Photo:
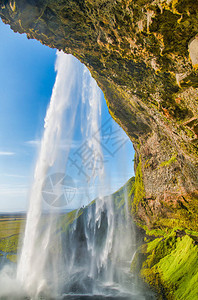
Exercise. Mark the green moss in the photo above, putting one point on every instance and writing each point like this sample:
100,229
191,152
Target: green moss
9,244
191,232
169,162
176,31
147,164
120,197
179,270
172,267
134,262
155,232
137,260
178,215
139,192
12,257
68,219
167,224
123,194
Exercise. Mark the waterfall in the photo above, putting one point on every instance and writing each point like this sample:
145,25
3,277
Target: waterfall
33,268
88,251
36,244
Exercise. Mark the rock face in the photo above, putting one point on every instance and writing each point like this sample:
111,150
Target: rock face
138,53
143,54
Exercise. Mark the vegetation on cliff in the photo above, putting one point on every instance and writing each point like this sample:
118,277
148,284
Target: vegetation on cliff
172,266
168,259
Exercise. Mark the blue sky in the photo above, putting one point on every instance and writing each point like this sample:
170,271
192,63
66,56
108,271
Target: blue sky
26,80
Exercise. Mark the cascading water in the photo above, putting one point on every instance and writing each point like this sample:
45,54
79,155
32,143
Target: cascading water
36,244
85,253
31,271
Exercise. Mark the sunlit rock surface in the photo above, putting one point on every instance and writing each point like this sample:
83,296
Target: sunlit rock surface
193,51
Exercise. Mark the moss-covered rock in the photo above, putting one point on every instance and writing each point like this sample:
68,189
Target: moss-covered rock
172,267
138,188
167,259
12,257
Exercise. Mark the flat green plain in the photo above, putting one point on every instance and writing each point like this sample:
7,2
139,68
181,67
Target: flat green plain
11,227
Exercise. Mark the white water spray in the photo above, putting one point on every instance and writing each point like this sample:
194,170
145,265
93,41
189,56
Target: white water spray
31,271
32,263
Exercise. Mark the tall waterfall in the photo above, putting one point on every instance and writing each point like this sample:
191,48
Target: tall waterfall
88,251
37,240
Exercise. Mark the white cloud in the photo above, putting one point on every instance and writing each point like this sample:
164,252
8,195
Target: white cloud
6,153
13,190
33,142
13,175
65,144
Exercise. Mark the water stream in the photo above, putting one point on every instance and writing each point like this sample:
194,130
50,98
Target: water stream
91,256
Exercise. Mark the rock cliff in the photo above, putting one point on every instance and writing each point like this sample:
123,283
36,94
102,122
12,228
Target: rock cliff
144,56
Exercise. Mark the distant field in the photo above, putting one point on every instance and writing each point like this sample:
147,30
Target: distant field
10,228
